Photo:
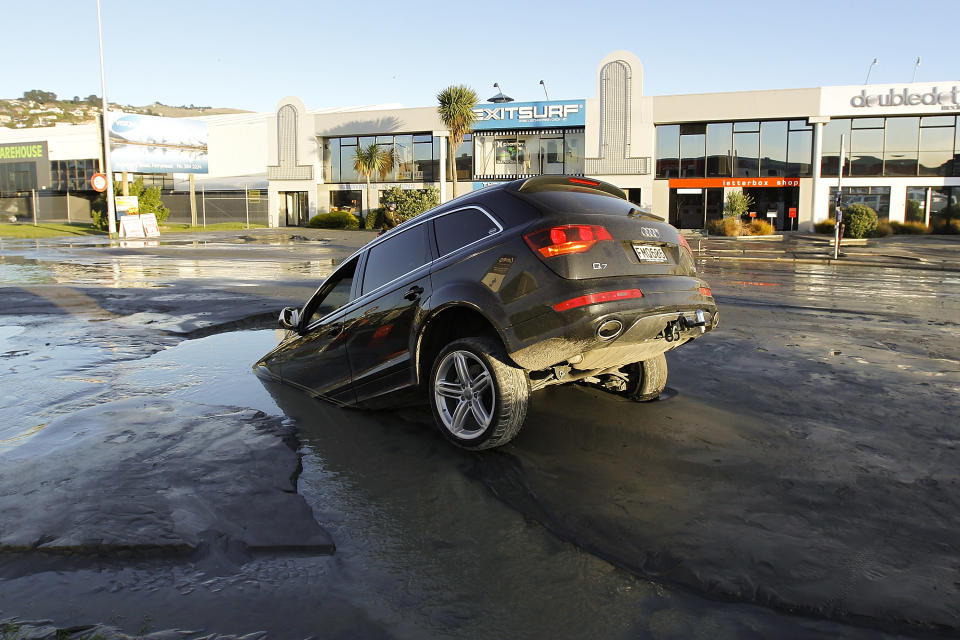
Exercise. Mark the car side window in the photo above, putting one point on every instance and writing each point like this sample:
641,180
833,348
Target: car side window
334,294
396,256
460,228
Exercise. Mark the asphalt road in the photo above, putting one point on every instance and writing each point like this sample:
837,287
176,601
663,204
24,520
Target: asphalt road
798,480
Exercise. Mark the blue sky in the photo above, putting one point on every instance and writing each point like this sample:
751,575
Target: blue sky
249,55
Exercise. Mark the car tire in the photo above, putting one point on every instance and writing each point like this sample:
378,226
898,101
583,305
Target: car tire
646,380
489,410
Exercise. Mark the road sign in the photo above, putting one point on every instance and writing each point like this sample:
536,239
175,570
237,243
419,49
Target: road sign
771,214
793,212
99,182
753,214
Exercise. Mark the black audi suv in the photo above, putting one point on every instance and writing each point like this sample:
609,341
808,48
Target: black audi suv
479,302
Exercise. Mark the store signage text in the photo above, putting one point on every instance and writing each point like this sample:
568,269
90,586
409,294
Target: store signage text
676,183
949,100
22,151
529,114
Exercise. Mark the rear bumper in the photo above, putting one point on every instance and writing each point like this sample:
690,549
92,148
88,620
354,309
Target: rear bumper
612,334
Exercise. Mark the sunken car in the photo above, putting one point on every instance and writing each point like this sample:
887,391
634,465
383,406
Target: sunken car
478,303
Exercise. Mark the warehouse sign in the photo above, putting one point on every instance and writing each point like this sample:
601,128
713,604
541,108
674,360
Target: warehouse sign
19,152
517,115
151,144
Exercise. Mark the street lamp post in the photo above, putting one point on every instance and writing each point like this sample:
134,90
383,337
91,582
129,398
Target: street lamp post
111,209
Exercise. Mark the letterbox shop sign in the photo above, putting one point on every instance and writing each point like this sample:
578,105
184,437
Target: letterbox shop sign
763,183
517,115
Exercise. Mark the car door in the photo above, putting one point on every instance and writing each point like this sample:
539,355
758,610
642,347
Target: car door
317,359
395,284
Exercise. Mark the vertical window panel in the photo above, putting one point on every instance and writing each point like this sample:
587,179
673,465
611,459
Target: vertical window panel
773,148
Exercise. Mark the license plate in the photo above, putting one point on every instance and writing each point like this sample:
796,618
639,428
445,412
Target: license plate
646,253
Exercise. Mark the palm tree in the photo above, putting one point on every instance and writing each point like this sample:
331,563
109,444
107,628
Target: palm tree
456,111
371,160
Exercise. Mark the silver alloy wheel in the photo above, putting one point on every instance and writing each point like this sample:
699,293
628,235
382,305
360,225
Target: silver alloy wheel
465,394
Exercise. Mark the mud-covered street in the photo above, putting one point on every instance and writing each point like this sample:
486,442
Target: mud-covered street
798,479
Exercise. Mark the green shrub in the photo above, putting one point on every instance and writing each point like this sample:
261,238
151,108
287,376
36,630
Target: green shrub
825,226
910,228
884,228
860,220
737,204
374,219
725,227
334,220
760,228
410,202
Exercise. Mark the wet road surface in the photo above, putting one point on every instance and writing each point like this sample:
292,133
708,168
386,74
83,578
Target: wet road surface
801,482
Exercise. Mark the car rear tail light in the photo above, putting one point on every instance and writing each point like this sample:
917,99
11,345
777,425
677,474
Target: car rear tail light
571,238
683,243
589,183
594,298
705,291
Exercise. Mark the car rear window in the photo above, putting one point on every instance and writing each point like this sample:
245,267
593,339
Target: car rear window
460,228
575,200
395,257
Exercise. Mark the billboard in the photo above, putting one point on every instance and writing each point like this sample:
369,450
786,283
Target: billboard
151,144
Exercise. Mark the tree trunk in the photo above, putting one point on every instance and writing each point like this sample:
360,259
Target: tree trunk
453,166
369,203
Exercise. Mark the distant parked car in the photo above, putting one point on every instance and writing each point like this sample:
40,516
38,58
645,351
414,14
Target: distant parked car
479,302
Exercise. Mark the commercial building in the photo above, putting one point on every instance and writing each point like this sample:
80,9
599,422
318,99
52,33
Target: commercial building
677,155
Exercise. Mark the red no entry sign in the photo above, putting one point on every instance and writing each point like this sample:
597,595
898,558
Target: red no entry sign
99,182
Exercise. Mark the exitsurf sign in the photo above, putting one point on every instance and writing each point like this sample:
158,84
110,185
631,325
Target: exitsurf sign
522,115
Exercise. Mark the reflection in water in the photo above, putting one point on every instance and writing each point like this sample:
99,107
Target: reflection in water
151,271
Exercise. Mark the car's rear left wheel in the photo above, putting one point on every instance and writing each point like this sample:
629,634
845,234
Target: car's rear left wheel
479,398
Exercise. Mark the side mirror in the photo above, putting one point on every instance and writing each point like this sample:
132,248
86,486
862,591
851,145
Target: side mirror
290,318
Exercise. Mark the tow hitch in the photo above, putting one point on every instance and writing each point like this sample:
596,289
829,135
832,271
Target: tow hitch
675,328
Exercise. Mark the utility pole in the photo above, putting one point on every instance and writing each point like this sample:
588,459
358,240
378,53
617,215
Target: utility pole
111,208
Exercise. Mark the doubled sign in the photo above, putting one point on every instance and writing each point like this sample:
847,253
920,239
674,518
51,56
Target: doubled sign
917,97
519,115
151,144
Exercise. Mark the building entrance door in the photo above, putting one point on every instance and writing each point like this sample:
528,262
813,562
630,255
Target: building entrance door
294,208
694,208
773,205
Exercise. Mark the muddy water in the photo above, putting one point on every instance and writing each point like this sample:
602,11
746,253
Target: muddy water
423,548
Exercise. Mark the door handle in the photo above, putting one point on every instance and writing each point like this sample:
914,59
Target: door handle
334,330
413,293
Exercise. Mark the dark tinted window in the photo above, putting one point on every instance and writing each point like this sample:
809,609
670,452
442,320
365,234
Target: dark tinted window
460,228
334,294
396,256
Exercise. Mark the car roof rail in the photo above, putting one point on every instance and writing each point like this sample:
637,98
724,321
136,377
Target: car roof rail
565,183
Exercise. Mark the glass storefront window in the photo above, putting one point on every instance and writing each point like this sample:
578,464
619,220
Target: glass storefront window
551,154
773,148
668,151
464,158
692,151
832,133
915,210
800,153
719,149
573,148
866,152
877,198
746,153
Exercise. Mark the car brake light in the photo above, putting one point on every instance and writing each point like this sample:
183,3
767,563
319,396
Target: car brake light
571,238
594,298
683,243
590,183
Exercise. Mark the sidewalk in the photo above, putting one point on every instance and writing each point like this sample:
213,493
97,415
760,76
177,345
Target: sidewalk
937,253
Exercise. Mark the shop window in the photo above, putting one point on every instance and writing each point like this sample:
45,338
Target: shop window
800,153
573,146
915,210
719,149
692,152
773,148
668,151
746,153
877,198
866,150
833,132
901,139
936,146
